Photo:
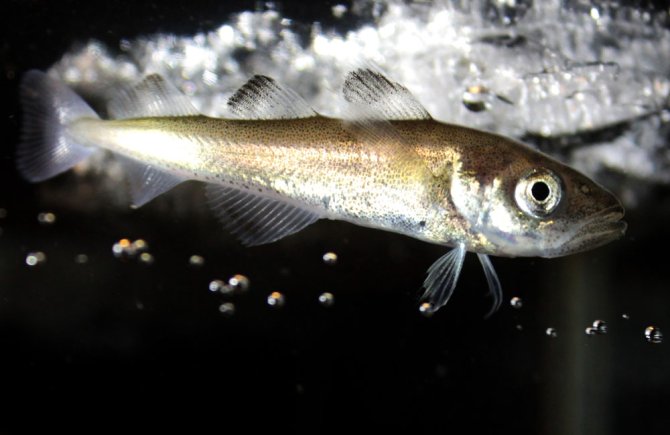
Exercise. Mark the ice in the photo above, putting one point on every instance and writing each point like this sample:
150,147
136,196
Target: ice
550,72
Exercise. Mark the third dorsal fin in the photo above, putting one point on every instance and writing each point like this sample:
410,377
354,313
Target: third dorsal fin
381,97
153,96
262,98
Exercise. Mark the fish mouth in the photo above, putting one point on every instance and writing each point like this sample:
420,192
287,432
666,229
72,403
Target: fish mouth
601,228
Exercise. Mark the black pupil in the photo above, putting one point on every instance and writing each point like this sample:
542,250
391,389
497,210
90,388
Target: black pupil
540,191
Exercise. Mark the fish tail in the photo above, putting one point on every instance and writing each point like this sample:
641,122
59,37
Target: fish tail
47,148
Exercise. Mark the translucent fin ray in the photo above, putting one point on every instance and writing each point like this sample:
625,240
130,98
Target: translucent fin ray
255,218
495,289
46,148
152,97
145,181
262,98
384,98
442,278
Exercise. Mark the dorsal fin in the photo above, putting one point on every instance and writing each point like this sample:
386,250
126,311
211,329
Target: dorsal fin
153,96
262,98
256,218
384,98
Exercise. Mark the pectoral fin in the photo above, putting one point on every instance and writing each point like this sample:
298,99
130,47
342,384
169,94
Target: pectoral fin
442,278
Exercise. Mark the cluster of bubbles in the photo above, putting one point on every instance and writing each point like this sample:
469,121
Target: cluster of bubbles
554,69
597,327
125,249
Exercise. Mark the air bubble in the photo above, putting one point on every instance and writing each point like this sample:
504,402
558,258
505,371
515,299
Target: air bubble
46,218
217,285
330,258
227,308
326,299
81,259
426,308
238,283
590,330
625,316
196,260
146,258
276,299
516,302
653,335
551,332
600,326
35,258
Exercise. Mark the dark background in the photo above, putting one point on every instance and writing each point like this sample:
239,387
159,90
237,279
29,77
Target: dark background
115,343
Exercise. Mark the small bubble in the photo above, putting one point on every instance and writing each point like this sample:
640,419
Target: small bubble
139,305
216,285
140,245
196,260
227,308
276,299
339,11
590,330
121,248
595,14
625,316
551,332
46,218
600,326
81,259
426,308
146,258
516,302
653,334
330,258
125,45
326,299
3,213
238,283
519,327
35,258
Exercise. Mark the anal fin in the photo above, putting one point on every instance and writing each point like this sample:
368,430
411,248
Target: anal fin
255,218
146,182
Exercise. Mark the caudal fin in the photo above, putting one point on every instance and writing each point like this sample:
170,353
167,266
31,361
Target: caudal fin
46,147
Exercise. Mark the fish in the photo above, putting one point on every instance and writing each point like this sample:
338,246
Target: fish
275,166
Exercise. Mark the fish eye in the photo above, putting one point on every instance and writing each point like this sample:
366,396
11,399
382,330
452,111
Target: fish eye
538,193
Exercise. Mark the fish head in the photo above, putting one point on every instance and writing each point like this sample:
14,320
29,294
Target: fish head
528,204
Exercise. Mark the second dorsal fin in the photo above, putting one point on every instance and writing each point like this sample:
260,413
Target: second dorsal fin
262,98
381,97
153,96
